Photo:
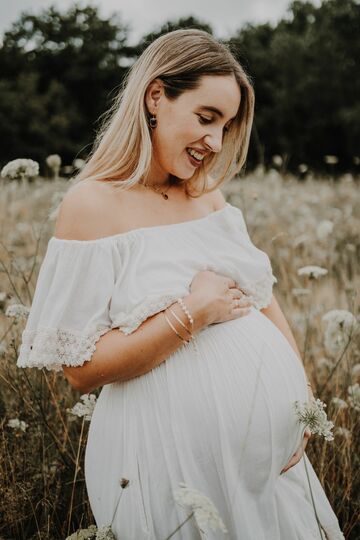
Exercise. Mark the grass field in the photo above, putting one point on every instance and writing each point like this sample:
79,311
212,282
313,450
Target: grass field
313,222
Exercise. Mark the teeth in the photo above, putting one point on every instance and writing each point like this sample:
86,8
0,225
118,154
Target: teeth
195,154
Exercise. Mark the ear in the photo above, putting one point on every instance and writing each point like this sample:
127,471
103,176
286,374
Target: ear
153,95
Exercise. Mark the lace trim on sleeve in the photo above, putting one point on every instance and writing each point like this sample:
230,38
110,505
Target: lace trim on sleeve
52,347
129,322
260,291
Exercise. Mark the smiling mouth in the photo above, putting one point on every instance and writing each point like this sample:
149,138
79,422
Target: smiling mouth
193,159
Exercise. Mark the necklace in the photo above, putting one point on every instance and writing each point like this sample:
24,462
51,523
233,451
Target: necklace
159,190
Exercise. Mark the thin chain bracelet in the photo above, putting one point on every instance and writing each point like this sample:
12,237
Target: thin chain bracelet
180,321
174,329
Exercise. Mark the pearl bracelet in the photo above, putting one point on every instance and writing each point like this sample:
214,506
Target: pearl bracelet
191,320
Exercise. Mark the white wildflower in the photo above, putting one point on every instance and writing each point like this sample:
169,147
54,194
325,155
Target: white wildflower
20,168
53,161
277,160
105,533
324,229
343,432
205,512
355,372
354,396
331,160
78,163
86,408
339,403
84,534
340,324
17,311
15,423
313,416
324,363
302,168
312,271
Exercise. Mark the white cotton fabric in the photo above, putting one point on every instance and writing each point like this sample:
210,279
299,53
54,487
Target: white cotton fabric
218,417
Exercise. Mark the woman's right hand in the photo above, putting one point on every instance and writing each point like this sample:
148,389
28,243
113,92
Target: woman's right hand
218,297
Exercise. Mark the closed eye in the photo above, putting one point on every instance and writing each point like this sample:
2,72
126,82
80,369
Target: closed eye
204,120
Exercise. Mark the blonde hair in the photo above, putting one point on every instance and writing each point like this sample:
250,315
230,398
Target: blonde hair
122,150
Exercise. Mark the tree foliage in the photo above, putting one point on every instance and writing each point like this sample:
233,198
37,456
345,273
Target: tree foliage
59,72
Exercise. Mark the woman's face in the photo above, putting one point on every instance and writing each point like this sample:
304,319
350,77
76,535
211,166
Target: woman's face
187,123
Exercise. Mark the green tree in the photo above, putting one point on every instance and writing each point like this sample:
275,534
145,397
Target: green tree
59,69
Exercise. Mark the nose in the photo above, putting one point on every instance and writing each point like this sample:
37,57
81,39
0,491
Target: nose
214,141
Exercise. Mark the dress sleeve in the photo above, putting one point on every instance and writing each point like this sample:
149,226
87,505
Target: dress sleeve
257,277
70,307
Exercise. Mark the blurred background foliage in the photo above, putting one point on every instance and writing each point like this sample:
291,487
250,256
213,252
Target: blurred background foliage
60,71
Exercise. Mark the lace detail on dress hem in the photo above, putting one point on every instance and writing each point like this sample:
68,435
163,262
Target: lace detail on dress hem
52,347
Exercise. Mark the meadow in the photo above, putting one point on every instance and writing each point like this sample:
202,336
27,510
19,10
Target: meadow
310,230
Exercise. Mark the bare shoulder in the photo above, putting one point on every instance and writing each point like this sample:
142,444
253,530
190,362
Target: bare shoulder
82,212
217,198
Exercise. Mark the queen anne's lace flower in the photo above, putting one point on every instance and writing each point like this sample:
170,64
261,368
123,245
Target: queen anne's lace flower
356,371
84,534
343,432
312,271
205,511
105,533
53,161
354,396
339,403
78,163
312,415
340,324
86,408
15,423
17,311
20,168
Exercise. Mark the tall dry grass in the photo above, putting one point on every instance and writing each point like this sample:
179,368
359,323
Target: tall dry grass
42,487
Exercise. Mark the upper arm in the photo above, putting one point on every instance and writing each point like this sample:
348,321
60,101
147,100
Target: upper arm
80,213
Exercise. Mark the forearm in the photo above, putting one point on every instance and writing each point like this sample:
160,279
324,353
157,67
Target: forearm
119,357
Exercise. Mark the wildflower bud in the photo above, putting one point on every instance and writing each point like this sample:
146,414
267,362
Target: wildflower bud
124,482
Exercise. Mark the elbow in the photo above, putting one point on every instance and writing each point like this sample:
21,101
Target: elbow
76,379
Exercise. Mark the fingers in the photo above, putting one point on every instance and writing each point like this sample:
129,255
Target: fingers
299,453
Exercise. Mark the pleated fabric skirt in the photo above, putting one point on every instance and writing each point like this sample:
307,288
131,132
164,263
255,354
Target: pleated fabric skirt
220,421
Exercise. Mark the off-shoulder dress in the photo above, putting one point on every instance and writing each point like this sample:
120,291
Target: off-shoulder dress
218,417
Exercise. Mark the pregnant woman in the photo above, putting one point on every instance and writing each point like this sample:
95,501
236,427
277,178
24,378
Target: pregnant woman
152,289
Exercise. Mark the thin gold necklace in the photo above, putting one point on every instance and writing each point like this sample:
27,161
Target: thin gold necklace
159,190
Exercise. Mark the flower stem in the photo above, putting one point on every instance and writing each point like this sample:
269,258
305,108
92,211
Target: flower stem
312,498
181,524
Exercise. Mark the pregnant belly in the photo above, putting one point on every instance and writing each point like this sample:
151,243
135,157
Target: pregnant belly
228,409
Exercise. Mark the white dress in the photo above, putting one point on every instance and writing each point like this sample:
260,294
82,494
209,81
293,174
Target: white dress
219,418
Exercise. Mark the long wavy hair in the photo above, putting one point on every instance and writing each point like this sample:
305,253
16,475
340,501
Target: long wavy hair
122,149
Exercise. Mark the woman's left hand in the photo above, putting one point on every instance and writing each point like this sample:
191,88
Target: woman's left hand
307,434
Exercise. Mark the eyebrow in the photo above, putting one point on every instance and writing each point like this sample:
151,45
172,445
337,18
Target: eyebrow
215,110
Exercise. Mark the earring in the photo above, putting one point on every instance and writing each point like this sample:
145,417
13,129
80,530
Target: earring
153,122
